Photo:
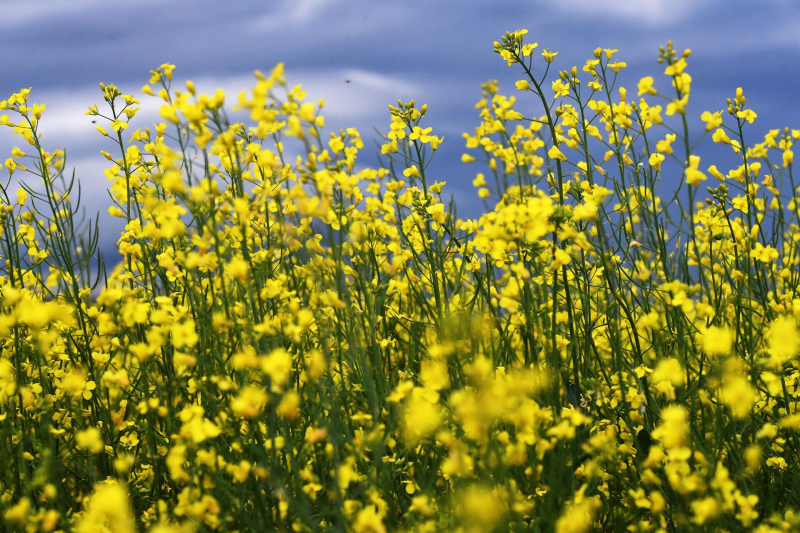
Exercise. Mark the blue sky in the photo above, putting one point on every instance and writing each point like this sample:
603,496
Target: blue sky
437,52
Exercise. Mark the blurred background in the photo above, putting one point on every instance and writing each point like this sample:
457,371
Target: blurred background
362,55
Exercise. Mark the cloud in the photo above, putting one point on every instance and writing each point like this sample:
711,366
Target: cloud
650,12
21,12
291,13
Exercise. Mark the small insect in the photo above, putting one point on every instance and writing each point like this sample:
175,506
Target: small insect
94,122
347,81
644,441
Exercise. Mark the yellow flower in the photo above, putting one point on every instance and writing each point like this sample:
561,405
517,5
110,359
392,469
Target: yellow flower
167,68
118,125
369,520
527,49
705,510
560,88
480,507
693,175
419,133
549,56
250,402
18,513
277,365
617,66
675,68
712,120
674,427
677,106
777,462
421,415
577,517
716,173
184,334
738,395
411,171
655,160
767,431
390,147
783,340
720,136
108,509
195,426
645,86
669,370
168,112
555,153
665,146
717,340
8,385
289,407
747,114
89,440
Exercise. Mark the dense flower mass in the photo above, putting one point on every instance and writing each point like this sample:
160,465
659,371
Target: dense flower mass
296,342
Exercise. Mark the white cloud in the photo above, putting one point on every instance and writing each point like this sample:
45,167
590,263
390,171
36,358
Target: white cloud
292,12
17,12
304,23
650,12
20,12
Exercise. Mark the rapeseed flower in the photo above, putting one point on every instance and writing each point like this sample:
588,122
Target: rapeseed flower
294,340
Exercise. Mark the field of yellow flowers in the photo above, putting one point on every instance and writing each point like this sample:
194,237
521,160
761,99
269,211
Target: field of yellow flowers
294,342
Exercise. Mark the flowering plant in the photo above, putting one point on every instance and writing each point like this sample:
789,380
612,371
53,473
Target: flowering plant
293,341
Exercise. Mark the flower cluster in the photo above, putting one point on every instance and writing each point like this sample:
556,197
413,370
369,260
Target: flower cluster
294,341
